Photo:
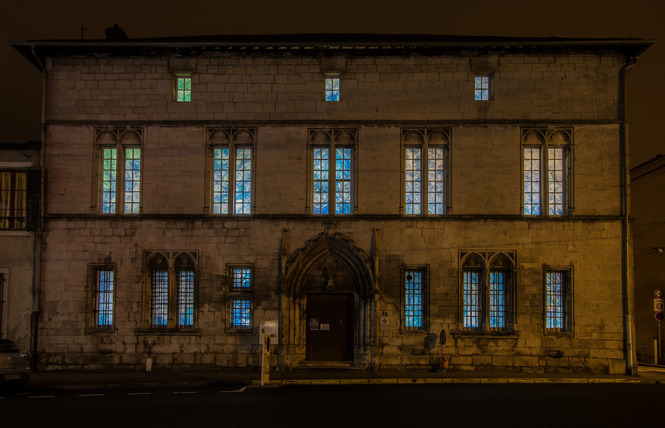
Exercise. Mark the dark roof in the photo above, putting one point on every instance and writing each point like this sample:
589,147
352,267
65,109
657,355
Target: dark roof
313,44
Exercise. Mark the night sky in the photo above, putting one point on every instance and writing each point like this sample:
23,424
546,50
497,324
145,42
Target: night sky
20,82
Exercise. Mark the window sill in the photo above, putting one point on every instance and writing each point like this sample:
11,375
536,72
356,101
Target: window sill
558,333
168,331
511,334
233,330
100,330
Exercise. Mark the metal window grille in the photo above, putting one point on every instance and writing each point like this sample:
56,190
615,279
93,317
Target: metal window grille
320,181
132,180
241,279
471,300
412,181
186,298
343,181
241,313
160,298
104,298
243,181
482,86
109,179
435,180
555,301
332,88
220,192
13,190
555,177
531,181
413,308
497,306
183,88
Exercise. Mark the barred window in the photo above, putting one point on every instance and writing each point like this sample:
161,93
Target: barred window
558,300
119,171
332,171
13,190
415,298
172,289
231,170
425,171
101,300
240,293
486,291
547,171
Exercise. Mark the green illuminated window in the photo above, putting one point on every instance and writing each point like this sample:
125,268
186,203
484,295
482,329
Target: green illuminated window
183,84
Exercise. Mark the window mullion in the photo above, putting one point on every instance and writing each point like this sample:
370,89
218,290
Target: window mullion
232,180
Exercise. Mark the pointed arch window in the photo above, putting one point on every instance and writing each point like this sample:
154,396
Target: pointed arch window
172,290
486,302
547,171
332,171
231,171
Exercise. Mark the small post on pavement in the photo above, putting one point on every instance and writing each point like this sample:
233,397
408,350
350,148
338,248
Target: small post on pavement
265,360
658,308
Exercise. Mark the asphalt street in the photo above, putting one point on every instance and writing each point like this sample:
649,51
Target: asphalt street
457,405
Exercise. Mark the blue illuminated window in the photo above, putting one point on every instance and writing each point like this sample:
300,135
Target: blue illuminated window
471,300
425,171
323,171
231,170
241,279
186,298
160,298
127,180
557,301
240,297
173,289
482,88
497,300
241,313
332,88
414,298
105,282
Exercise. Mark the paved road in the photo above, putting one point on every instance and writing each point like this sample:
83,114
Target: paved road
633,405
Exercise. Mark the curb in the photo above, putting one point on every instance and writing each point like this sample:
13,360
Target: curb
469,380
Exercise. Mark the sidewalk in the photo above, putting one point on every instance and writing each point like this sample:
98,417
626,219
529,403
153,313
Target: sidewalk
79,380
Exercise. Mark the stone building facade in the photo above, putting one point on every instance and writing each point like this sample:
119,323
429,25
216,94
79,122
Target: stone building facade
20,223
364,192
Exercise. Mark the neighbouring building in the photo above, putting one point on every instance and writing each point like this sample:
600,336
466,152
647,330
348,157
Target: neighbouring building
362,191
20,223
648,228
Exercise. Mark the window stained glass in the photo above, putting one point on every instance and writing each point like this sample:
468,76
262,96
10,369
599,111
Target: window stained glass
243,181
531,181
320,181
412,181
343,181
183,88
160,298
482,85
104,298
109,179
186,298
555,301
413,307
241,279
332,88
132,180
497,300
435,180
220,184
471,300
555,174
240,313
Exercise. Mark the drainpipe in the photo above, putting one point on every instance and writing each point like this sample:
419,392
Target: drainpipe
37,260
626,287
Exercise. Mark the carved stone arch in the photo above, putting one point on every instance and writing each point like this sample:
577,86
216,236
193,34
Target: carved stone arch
184,260
413,137
218,136
438,137
130,136
319,137
533,137
560,137
502,261
157,260
345,137
316,251
106,136
243,136
473,260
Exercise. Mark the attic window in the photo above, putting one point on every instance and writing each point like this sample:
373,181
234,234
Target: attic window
482,87
332,88
183,87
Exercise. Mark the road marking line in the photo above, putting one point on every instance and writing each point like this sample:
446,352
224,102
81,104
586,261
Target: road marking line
42,396
91,395
139,393
235,390
185,392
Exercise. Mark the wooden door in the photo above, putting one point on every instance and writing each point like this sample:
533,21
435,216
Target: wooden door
329,326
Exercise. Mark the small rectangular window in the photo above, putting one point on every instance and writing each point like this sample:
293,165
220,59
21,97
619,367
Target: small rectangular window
241,278
414,299
241,313
183,84
332,88
160,298
482,86
557,301
104,289
13,189
240,292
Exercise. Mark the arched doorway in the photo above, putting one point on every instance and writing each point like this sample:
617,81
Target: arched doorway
328,303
